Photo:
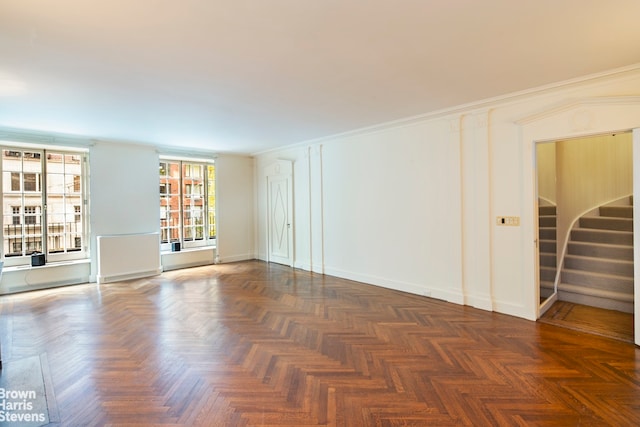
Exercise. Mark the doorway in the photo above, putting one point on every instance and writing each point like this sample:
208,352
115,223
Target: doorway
585,238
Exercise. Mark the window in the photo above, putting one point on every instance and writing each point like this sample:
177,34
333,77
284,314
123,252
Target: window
43,204
31,181
187,203
30,214
15,181
16,215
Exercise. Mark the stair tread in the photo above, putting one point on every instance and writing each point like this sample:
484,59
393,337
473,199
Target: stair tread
594,215
616,211
606,245
595,258
603,250
604,230
597,274
606,223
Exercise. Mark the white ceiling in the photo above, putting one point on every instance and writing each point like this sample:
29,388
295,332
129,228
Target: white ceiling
248,75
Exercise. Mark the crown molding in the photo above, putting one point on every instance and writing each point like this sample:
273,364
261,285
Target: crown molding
577,103
468,108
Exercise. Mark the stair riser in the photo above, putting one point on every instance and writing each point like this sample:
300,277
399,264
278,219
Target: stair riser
619,268
548,247
546,289
602,223
624,253
602,236
547,233
547,210
547,274
617,211
548,260
547,221
581,278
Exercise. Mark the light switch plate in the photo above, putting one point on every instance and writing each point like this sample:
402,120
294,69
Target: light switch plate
513,221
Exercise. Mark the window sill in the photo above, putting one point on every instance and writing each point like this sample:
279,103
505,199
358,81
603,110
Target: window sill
49,264
196,249
21,278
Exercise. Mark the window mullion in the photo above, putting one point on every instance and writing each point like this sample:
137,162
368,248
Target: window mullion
23,217
181,203
205,203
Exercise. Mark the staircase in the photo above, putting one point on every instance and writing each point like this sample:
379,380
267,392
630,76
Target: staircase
598,266
547,249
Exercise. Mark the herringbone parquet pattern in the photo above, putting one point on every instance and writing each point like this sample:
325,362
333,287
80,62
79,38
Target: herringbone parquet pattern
257,344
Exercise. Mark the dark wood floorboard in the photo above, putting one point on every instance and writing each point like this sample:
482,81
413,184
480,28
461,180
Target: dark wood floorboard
253,344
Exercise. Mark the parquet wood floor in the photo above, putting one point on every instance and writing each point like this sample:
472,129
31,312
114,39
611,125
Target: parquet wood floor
254,344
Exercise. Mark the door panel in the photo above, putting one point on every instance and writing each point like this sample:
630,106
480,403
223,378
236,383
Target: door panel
279,178
279,220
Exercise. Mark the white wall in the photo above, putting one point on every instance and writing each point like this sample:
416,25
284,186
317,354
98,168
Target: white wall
123,186
592,171
385,206
413,206
235,208
546,168
124,200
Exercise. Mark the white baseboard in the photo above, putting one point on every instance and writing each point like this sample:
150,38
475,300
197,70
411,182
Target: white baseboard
235,258
411,288
454,296
101,279
513,310
482,302
302,266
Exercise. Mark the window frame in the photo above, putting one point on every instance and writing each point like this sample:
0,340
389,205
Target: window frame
186,177
44,207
